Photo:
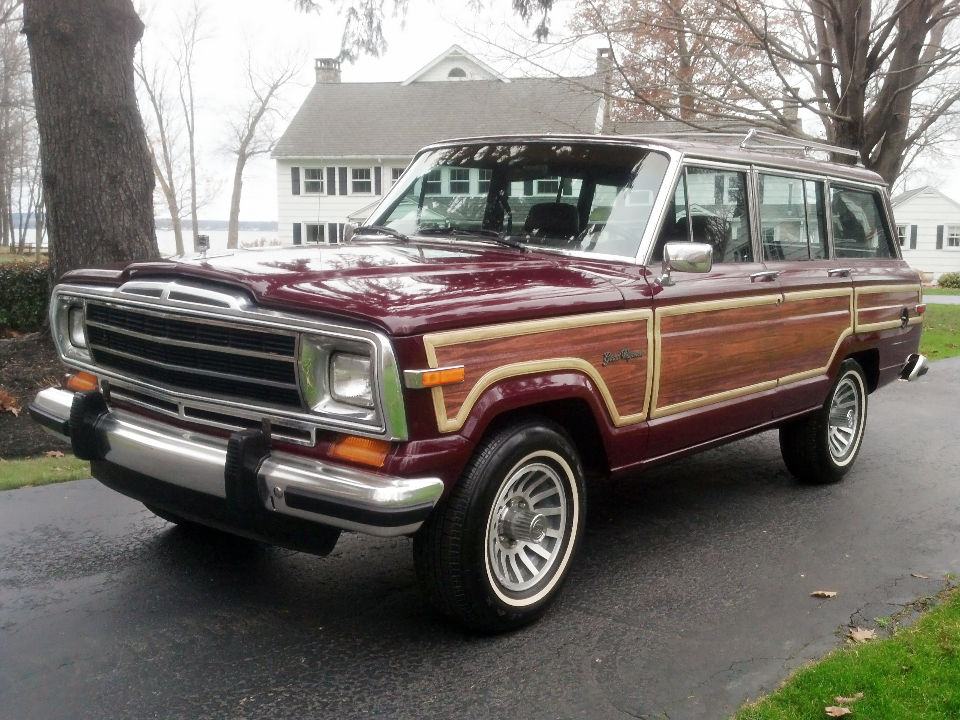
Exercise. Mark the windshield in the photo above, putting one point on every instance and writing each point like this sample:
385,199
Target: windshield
587,197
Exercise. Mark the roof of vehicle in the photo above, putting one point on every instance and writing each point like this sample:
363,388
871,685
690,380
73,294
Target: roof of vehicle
721,147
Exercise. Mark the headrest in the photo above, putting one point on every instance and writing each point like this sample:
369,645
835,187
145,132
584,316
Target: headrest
552,220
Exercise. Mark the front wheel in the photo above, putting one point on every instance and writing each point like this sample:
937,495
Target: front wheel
494,555
821,448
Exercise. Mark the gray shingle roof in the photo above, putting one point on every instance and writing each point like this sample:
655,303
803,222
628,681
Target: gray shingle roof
392,119
904,196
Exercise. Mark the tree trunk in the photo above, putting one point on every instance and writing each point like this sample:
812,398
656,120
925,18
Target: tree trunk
233,224
97,175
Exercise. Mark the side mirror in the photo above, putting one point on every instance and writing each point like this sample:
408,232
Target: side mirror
691,257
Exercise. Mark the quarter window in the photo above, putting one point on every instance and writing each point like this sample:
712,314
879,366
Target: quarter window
791,218
313,181
360,181
858,227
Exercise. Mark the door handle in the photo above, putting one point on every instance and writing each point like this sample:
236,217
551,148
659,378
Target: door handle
765,276
839,272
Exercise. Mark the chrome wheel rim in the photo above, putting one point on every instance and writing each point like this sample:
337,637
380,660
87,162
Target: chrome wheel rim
843,426
526,527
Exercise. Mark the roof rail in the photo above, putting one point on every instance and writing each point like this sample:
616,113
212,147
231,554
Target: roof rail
791,143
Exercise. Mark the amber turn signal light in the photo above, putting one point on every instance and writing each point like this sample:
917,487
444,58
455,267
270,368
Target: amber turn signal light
434,377
361,450
81,382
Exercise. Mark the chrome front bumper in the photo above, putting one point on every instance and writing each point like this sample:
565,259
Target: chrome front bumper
314,490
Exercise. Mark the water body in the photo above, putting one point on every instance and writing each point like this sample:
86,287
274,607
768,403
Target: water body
218,239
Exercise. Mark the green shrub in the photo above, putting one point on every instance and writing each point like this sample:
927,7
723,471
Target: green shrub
949,280
24,294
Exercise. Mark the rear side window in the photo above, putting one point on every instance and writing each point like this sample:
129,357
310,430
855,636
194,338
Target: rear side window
858,227
792,218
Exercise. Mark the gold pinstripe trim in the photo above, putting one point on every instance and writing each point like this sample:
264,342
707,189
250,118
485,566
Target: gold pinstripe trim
698,307
876,290
433,341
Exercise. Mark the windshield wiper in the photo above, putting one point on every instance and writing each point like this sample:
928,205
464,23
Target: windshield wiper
380,230
481,233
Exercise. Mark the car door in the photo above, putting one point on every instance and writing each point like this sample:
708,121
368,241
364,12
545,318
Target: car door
817,312
713,332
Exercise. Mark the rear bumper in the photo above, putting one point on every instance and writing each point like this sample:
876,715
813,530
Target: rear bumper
241,472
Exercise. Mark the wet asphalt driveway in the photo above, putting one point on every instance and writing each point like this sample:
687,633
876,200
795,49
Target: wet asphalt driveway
691,595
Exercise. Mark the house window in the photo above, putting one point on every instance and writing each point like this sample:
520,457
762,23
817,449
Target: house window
314,233
312,181
548,187
360,181
432,184
459,181
953,236
483,184
902,233
457,72
395,174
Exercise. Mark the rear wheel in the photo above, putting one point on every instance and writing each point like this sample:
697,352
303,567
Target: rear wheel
494,555
821,448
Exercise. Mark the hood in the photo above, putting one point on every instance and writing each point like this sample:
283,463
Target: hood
402,288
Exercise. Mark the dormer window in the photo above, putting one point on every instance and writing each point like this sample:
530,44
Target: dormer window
457,73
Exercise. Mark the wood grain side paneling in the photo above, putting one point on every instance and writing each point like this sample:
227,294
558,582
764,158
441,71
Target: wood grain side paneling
577,343
708,352
812,327
879,307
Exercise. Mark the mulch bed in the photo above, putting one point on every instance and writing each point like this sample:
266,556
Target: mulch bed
28,364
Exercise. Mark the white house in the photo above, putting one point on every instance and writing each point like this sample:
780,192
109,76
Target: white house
349,142
928,227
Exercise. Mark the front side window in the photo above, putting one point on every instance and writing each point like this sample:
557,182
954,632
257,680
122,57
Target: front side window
709,205
360,181
587,197
858,227
791,218
313,181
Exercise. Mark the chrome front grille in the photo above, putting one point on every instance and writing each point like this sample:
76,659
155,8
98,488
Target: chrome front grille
196,355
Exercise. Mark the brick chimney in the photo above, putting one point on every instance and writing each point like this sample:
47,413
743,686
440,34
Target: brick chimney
328,70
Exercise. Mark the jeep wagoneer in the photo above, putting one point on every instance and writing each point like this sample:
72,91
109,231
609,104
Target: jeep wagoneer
518,315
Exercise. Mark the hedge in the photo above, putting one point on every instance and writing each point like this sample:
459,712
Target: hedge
24,294
949,280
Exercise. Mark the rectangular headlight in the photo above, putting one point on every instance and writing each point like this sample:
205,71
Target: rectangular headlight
351,379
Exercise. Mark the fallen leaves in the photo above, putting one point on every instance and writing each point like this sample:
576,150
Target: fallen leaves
836,711
862,635
53,454
918,576
8,403
823,594
841,700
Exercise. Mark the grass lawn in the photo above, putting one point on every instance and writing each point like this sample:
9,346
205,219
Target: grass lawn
941,291
8,257
913,674
41,471
941,331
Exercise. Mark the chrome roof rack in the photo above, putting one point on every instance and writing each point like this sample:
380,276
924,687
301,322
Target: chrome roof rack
785,142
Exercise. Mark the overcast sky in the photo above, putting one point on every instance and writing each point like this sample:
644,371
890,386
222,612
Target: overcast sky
273,28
